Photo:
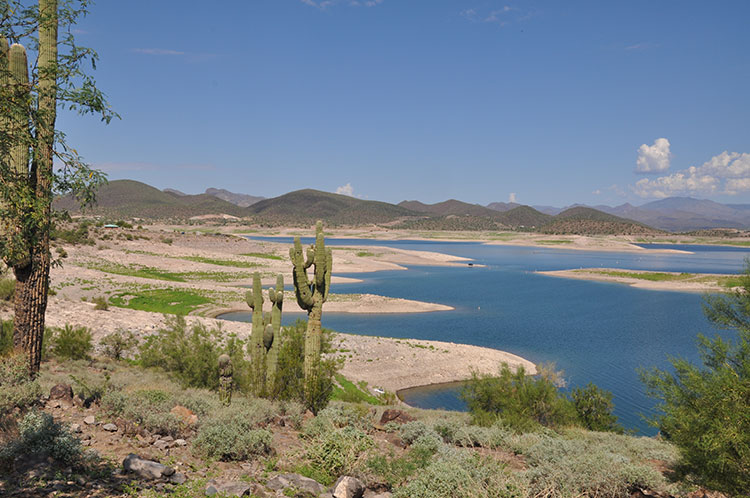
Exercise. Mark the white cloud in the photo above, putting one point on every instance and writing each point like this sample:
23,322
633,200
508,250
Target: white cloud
597,192
654,159
726,173
512,197
346,190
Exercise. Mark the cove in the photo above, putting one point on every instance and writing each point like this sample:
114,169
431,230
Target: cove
593,331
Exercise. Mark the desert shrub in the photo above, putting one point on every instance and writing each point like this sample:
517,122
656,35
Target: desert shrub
234,434
118,343
290,378
39,434
561,467
339,415
73,343
594,409
17,387
74,235
100,303
7,289
458,473
334,453
148,408
523,402
191,354
91,391
411,431
703,409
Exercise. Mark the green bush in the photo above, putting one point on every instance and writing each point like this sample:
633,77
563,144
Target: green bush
233,433
522,402
17,388
290,377
148,408
561,467
100,303
594,408
39,434
118,343
73,343
458,474
703,409
334,453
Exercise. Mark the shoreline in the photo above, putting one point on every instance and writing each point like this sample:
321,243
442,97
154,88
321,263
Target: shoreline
388,363
682,282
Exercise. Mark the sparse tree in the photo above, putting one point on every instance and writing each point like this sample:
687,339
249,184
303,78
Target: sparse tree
705,410
30,145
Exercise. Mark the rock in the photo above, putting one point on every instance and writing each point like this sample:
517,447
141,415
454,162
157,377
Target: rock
227,488
61,391
180,442
75,428
392,415
283,481
377,494
185,415
167,438
161,445
110,427
348,487
90,420
178,478
145,468
78,401
395,440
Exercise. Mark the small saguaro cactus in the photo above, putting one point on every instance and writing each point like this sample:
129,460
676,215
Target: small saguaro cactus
225,379
254,299
272,338
312,295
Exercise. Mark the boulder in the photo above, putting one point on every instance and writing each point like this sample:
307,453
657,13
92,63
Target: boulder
110,427
146,469
392,415
227,488
284,481
90,420
62,392
348,487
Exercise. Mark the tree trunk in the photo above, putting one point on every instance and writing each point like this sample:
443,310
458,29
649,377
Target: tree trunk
31,304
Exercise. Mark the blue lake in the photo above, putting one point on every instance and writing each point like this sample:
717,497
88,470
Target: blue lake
594,332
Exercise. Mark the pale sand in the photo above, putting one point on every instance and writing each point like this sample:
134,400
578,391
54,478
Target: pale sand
390,364
702,282
81,276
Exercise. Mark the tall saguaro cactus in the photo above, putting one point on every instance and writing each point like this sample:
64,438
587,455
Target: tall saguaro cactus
312,294
254,299
32,278
273,331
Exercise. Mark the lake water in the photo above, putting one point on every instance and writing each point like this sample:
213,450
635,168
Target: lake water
593,331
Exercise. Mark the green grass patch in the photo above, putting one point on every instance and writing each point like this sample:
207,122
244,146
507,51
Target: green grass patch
222,262
137,271
262,255
554,242
651,276
365,254
170,301
346,390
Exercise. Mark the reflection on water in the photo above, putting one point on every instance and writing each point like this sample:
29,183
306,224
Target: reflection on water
594,331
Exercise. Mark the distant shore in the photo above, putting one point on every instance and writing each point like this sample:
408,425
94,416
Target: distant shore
652,280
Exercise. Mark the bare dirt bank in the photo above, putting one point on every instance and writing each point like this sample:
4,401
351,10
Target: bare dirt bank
671,281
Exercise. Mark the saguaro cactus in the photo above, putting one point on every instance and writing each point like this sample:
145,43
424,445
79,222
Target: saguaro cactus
272,337
254,299
312,295
225,379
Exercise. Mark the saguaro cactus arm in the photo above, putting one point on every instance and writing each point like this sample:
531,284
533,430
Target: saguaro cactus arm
302,285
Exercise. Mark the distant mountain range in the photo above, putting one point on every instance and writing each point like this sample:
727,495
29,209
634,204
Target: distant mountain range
129,198
677,214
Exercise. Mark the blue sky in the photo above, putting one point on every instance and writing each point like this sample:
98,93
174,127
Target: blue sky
549,102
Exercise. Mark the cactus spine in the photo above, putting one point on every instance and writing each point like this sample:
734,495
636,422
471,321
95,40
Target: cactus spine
273,329
312,295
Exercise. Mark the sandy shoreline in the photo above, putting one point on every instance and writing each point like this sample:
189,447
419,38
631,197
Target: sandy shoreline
390,364
699,282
